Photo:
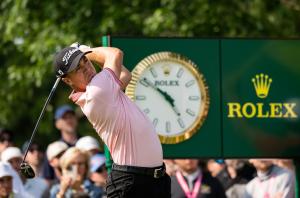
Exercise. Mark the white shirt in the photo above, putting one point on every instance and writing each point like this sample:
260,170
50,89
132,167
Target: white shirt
280,181
37,187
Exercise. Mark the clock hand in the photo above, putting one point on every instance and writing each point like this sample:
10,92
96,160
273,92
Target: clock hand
165,95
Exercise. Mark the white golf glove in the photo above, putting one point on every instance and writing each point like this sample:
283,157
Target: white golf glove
82,48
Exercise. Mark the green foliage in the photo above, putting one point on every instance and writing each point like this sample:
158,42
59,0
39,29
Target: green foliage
31,32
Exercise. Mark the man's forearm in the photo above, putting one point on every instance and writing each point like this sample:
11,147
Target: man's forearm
100,54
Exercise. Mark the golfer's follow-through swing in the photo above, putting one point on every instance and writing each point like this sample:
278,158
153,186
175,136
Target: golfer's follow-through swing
138,169
25,168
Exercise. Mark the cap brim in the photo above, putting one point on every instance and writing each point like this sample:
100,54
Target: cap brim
96,167
6,175
76,61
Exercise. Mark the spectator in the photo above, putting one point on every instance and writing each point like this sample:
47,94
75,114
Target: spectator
35,157
36,187
6,181
285,163
215,167
240,174
171,167
6,139
89,144
219,170
54,151
66,122
14,156
191,181
18,188
75,169
98,173
271,181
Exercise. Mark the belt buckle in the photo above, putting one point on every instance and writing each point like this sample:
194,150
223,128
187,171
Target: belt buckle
158,172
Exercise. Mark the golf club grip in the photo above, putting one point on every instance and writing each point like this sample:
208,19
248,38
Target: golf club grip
41,115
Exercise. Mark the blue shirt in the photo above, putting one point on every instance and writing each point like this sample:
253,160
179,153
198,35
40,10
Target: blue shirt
89,188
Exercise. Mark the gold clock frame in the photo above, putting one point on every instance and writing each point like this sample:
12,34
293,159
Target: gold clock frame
192,67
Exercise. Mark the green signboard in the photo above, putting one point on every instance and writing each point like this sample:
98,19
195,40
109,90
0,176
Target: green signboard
271,126
249,94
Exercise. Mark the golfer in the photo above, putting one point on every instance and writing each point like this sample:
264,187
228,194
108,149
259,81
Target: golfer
138,169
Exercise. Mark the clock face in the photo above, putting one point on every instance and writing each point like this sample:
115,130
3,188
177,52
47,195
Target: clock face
170,90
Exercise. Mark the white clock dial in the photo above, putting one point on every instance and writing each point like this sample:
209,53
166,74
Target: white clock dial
180,85
172,93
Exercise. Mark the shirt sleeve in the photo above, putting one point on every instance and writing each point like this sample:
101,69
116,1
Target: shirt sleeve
114,76
286,184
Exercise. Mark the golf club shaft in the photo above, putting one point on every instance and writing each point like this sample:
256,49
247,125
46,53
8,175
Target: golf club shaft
41,115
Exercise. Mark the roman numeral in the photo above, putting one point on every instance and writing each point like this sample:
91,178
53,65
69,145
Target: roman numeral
146,111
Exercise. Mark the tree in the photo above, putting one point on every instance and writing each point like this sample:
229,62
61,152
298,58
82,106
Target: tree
32,31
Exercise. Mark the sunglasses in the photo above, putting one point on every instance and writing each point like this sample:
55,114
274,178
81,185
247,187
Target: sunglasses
101,169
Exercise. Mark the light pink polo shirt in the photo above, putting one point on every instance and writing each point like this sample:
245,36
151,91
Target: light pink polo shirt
123,127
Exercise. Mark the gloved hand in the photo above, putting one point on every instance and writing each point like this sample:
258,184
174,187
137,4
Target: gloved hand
82,48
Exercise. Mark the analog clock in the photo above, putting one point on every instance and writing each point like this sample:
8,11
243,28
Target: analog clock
172,92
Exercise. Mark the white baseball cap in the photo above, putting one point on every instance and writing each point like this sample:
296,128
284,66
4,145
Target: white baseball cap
5,169
87,143
55,148
11,152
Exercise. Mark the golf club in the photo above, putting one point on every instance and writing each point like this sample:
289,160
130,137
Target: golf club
25,168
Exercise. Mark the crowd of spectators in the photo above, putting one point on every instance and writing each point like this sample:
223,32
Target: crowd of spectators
74,166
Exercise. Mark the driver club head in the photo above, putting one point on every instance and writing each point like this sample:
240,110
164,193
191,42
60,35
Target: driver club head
27,170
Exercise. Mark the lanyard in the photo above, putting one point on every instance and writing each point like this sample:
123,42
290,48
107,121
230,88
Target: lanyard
185,188
267,194
268,186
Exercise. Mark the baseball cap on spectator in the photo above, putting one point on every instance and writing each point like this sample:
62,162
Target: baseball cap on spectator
87,143
60,111
55,148
11,152
220,161
5,170
96,162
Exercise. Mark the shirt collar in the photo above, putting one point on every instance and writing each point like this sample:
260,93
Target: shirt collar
74,96
193,175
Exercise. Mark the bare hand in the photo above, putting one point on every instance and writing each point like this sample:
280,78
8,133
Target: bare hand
65,183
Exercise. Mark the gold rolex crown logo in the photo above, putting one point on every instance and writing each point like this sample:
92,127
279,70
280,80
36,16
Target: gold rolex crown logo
262,85
166,70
